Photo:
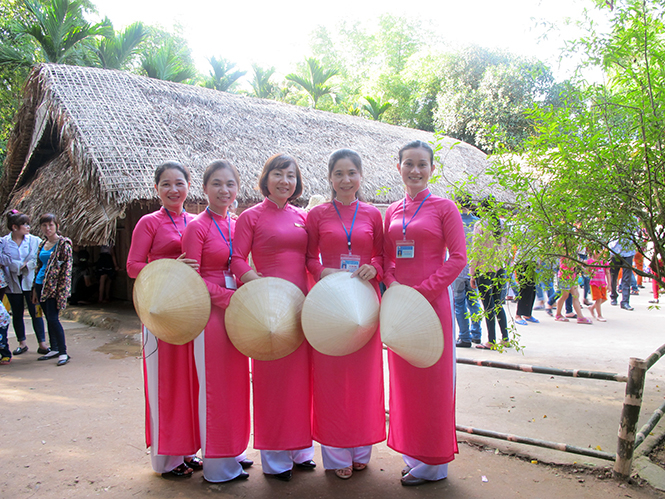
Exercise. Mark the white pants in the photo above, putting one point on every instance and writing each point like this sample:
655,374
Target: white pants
279,461
426,471
222,469
335,458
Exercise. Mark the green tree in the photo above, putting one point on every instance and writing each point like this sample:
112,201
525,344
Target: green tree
376,107
261,84
593,170
315,80
118,50
168,63
58,28
222,77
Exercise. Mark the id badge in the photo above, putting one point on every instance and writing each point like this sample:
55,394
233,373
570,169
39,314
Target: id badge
230,280
405,249
349,262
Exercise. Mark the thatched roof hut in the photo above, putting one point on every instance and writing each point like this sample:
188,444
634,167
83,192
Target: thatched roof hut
87,141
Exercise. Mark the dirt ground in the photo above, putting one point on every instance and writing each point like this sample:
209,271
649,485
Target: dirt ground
77,431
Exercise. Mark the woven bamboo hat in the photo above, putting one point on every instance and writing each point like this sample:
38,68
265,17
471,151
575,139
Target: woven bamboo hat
410,326
172,301
340,314
263,318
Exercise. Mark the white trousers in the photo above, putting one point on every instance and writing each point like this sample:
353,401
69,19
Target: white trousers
335,458
222,469
426,471
279,461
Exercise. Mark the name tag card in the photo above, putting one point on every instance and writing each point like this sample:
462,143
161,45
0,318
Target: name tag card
349,262
405,249
230,280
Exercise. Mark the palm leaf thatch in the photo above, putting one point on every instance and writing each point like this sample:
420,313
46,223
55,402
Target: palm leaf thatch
87,141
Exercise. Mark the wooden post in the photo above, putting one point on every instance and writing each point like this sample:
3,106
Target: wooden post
630,413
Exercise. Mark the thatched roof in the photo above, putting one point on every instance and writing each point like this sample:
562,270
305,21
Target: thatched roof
87,141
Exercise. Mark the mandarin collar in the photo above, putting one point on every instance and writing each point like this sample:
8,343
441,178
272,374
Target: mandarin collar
420,196
339,203
269,202
217,215
173,213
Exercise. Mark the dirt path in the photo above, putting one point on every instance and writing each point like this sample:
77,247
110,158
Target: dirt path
77,431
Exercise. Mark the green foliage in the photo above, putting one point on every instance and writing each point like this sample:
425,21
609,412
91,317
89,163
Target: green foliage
170,62
593,171
58,27
376,107
314,80
222,77
118,50
261,84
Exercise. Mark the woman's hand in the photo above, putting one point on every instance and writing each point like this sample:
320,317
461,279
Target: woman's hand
35,300
327,271
394,283
189,261
365,272
472,283
252,275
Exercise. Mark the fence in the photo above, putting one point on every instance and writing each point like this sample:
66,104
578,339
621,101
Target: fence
628,439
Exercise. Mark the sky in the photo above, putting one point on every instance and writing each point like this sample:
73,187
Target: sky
276,33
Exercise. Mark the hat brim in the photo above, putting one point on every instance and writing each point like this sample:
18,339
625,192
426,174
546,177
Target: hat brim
172,301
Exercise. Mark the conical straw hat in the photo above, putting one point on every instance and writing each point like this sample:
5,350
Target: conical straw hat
172,301
410,326
340,314
263,318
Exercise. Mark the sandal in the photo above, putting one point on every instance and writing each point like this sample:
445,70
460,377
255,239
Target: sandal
181,471
5,360
195,463
601,319
484,346
560,318
359,466
584,320
344,473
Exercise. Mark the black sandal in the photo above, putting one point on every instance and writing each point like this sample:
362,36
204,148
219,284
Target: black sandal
195,463
181,471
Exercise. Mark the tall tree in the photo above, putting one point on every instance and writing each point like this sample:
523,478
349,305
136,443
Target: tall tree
168,62
117,51
222,77
593,170
314,80
261,84
376,107
58,27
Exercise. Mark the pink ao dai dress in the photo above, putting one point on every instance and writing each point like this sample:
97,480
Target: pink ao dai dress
348,401
422,401
170,381
223,372
282,391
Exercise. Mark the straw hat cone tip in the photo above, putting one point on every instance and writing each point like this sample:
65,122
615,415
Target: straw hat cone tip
340,314
172,301
263,318
410,326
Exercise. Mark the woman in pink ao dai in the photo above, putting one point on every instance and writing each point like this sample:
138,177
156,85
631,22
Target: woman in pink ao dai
348,402
422,401
275,234
223,372
170,380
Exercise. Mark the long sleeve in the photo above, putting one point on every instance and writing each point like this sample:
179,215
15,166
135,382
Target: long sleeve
242,244
453,234
377,250
313,252
193,240
388,250
142,239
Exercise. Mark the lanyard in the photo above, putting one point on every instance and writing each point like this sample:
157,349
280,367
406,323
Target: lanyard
229,242
353,222
405,225
173,221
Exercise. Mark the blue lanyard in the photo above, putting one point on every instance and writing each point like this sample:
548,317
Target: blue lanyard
353,222
229,242
405,225
173,221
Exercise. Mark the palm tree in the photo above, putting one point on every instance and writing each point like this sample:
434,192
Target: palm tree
221,78
58,27
168,63
375,107
261,82
115,52
314,82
